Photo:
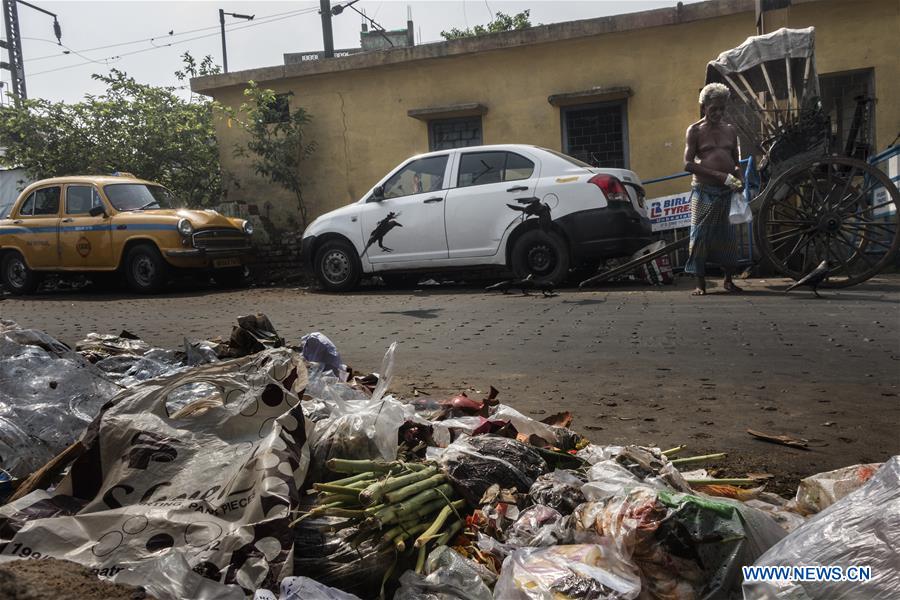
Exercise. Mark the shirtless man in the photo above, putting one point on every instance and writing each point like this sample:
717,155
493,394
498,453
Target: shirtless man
711,154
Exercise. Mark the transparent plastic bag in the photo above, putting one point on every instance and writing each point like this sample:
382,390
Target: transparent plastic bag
304,588
581,571
449,576
820,491
862,529
739,212
316,347
537,526
560,490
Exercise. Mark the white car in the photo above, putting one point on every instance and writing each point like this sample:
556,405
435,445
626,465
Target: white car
529,209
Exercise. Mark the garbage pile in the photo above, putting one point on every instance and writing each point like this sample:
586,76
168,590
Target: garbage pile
248,468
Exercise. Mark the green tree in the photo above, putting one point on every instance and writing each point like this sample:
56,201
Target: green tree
501,22
141,129
276,142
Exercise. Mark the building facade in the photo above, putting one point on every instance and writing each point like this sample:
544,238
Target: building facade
614,91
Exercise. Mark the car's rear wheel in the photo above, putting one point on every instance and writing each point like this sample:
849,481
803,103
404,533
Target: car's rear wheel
145,269
543,255
337,266
15,275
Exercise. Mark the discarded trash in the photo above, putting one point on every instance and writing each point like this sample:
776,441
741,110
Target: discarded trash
780,439
863,528
304,588
316,347
449,576
820,491
560,490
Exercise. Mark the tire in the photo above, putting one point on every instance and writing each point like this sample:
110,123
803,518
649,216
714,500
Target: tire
543,255
231,278
15,275
337,266
145,270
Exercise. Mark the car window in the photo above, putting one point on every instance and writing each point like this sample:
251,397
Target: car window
27,208
46,201
517,167
80,199
479,168
423,175
138,196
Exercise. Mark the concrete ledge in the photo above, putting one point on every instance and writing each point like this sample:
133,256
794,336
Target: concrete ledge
542,34
450,111
595,94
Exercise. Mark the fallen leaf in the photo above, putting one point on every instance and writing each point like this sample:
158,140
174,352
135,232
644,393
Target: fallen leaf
779,439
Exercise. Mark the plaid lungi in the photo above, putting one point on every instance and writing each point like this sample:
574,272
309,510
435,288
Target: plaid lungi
712,236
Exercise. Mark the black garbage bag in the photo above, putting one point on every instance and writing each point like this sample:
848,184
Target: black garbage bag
473,464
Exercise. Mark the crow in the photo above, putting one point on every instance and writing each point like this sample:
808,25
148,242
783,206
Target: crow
502,286
534,208
813,279
383,227
524,284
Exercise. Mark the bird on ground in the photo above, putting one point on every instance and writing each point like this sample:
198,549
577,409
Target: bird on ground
525,284
533,207
813,279
381,229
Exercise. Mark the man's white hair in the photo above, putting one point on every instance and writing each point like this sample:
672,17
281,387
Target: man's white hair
714,91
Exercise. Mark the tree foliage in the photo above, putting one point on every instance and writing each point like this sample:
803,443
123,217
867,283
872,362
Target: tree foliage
501,22
141,129
276,143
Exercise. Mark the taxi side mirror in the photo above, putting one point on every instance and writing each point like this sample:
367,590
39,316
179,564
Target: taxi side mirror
96,211
378,194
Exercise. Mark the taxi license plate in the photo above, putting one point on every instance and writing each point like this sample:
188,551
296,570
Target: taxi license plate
220,263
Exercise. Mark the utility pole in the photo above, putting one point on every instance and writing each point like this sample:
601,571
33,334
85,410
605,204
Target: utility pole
325,10
222,14
13,44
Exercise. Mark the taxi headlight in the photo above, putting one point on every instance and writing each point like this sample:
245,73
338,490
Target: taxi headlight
185,228
248,228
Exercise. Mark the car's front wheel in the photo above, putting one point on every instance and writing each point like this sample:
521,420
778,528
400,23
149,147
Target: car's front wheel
337,266
543,255
145,269
16,276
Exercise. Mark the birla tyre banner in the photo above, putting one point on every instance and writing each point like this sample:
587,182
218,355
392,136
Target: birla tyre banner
203,466
669,212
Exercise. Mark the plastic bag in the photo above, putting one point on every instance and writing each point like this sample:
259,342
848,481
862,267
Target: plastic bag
48,396
449,576
538,525
630,466
316,347
820,491
474,464
560,490
684,545
583,571
862,529
304,588
740,209
216,485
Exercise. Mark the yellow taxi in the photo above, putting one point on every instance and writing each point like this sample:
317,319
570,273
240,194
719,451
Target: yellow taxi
116,226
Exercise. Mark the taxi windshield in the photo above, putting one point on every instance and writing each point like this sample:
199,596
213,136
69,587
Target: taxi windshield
138,196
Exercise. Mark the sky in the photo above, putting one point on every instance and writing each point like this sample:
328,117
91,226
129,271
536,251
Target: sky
147,39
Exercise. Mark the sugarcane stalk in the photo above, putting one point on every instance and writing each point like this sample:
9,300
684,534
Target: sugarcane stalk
343,465
736,481
438,522
342,512
315,511
674,450
391,533
452,530
400,538
336,489
700,458
415,488
420,561
395,512
374,492
354,478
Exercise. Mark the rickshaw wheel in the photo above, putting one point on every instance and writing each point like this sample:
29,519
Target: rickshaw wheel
832,208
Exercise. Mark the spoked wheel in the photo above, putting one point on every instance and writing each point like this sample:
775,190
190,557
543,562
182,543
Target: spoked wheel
838,209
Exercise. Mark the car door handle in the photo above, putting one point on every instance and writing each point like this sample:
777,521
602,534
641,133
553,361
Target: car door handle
518,188
17,221
69,220
435,199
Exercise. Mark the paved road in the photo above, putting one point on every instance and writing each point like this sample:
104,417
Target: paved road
633,363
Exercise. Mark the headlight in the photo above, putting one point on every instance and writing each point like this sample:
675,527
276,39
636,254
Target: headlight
185,228
248,227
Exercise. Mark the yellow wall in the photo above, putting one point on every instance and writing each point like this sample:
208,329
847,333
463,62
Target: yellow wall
362,129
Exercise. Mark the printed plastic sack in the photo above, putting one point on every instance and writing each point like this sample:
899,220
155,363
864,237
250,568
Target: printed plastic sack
820,491
596,571
48,396
449,576
214,482
659,270
862,529
304,588
739,212
684,545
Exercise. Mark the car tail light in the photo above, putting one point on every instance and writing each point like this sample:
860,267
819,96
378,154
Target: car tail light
641,197
611,186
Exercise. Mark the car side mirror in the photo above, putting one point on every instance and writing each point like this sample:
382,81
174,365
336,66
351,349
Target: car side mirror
378,193
96,211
